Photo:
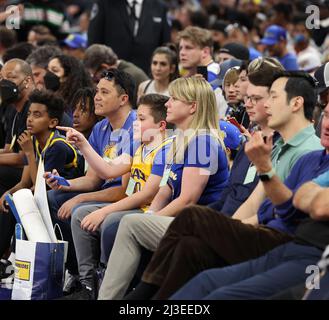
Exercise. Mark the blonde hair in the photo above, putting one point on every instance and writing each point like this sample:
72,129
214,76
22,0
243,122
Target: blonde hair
205,119
198,36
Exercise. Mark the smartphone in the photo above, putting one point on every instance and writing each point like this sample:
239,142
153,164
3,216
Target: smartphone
203,71
61,181
236,123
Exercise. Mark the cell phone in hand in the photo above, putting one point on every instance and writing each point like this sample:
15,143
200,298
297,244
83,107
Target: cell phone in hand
60,180
203,71
236,123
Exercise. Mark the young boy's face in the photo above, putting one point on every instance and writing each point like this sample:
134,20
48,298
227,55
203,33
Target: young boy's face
38,120
83,120
144,127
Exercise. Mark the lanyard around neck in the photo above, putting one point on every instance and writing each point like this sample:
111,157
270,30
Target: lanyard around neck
46,146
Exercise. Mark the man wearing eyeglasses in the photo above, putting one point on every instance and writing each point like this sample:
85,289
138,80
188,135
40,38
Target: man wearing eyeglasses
114,101
267,218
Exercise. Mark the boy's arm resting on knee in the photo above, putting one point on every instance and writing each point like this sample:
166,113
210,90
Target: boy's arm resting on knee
250,207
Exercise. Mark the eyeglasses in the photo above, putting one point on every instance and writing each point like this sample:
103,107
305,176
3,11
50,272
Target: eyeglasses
111,76
253,99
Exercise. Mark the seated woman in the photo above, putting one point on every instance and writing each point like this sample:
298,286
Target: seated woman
65,76
197,158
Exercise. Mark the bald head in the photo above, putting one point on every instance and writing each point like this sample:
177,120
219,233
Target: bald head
19,65
19,72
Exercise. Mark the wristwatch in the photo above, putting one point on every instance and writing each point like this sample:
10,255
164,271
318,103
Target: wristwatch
266,176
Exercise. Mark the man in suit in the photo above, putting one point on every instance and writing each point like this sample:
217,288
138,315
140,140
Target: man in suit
132,28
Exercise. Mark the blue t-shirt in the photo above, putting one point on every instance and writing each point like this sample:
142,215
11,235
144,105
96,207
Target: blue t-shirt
202,152
253,53
213,70
289,61
322,180
108,143
285,216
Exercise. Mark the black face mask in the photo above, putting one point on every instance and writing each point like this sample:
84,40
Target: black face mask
9,92
51,81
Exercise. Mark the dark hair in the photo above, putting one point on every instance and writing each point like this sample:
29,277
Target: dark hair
284,8
40,29
123,82
84,95
199,19
41,56
53,102
171,55
156,103
301,84
97,54
76,77
244,66
20,51
8,37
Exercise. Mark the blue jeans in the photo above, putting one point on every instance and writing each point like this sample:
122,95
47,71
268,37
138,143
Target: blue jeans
260,278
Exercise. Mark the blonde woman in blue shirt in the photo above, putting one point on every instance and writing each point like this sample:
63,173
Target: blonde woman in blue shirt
196,173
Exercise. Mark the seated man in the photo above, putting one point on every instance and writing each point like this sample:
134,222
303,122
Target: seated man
222,240
284,267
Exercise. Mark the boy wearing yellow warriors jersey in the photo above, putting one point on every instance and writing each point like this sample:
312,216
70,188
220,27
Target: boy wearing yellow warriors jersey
145,160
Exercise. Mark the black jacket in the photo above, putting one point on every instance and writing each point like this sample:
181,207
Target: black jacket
109,25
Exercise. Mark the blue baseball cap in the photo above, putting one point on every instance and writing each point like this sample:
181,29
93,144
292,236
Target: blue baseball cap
233,137
75,41
273,34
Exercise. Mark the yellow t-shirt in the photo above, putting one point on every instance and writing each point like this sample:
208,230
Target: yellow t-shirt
142,167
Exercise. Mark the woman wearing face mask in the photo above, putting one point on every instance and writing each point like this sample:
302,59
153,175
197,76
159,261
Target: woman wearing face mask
66,75
164,69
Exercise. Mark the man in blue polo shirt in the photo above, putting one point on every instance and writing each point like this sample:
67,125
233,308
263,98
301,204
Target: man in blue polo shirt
113,100
275,40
